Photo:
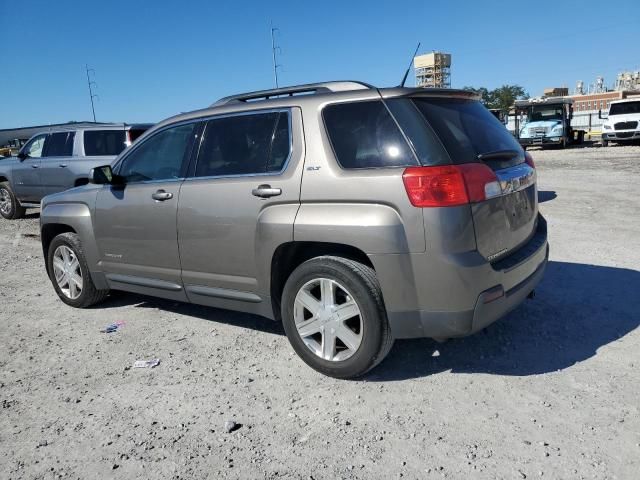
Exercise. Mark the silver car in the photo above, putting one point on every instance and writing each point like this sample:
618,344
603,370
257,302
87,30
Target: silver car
352,214
59,159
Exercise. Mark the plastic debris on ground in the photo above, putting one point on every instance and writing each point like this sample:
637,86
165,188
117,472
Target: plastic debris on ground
146,363
112,328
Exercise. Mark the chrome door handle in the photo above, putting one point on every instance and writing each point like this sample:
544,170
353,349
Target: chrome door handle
35,166
63,165
265,191
161,195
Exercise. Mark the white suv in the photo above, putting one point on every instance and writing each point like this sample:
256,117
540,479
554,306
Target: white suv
623,122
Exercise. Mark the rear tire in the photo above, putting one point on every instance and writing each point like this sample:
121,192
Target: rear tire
10,207
353,316
69,272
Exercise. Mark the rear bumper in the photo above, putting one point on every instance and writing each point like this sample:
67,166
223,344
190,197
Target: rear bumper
469,287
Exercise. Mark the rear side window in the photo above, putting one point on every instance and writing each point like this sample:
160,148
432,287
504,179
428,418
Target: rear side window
59,144
104,142
364,135
255,143
466,128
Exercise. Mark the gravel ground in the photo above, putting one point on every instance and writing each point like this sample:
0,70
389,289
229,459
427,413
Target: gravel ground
550,391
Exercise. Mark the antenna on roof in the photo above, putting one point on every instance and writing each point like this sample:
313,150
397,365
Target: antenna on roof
406,74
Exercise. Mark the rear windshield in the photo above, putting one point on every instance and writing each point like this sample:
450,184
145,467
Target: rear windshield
467,129
104,142
626,107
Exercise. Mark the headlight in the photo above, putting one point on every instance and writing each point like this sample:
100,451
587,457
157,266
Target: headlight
606,127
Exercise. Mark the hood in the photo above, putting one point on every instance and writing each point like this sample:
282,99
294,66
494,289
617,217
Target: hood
546,124
74,195
6,161
541,123
624,117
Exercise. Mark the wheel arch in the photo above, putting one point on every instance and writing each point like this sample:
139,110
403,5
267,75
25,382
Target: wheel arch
50,231
56,218
288,256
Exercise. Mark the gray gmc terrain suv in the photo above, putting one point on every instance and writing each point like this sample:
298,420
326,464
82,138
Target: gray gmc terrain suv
352,214
59,159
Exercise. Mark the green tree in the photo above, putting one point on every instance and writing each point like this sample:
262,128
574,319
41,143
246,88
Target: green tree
502,97
481,91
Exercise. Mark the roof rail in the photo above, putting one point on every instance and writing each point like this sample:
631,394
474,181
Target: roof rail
309,88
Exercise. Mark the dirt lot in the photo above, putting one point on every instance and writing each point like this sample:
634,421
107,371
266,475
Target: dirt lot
551,391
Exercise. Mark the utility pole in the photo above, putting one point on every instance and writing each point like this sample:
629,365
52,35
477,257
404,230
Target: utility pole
91,94
273,53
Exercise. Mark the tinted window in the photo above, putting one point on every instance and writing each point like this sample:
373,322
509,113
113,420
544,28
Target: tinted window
159,157
421,136
104,142
34,148
244,144
466,128
364,135
59,144
626,107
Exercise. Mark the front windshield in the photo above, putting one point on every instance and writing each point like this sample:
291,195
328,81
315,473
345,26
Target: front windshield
543,113
624,108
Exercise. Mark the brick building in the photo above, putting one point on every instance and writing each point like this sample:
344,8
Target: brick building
599,101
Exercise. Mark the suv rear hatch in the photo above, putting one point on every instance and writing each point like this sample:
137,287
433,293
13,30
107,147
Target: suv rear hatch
499,178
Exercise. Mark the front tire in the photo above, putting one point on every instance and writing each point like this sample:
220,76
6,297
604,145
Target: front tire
69,272
334,316
605,143
10,207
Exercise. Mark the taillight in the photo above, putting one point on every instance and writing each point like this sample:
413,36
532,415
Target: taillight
450,185
529,160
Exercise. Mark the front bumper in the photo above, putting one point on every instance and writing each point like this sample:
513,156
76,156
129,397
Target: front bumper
540,141
621,136
518,275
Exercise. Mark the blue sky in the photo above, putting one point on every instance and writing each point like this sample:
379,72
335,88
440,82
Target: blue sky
153,59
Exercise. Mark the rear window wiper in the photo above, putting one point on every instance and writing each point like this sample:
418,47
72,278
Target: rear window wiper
498,154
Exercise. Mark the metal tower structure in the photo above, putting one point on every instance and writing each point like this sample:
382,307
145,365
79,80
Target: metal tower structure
91,84
433,70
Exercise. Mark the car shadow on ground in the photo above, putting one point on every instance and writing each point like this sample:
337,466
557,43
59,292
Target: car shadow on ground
32,215
577,309
546,196
229,317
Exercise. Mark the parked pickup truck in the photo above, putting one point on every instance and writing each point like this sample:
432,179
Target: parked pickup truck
54,161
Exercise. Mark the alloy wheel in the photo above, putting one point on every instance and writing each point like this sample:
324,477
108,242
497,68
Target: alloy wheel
67,272
328,319
5,201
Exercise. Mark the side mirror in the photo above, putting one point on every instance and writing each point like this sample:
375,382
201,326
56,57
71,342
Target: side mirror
101,175
22,155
